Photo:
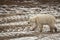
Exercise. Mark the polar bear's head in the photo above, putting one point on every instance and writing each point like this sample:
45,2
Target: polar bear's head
31,20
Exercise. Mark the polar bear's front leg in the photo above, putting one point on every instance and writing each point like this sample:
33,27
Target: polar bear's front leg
41,27
35,26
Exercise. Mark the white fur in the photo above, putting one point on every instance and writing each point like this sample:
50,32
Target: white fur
42,19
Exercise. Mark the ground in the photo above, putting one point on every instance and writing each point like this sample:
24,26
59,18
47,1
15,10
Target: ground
10,23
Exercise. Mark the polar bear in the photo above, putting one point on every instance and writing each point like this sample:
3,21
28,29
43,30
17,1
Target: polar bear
43,19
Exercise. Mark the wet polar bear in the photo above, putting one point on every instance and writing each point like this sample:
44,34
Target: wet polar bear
43,19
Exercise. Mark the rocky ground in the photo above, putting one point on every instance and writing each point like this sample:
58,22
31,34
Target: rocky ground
14,19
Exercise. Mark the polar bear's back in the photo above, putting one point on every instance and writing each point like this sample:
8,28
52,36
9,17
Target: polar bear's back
44,18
